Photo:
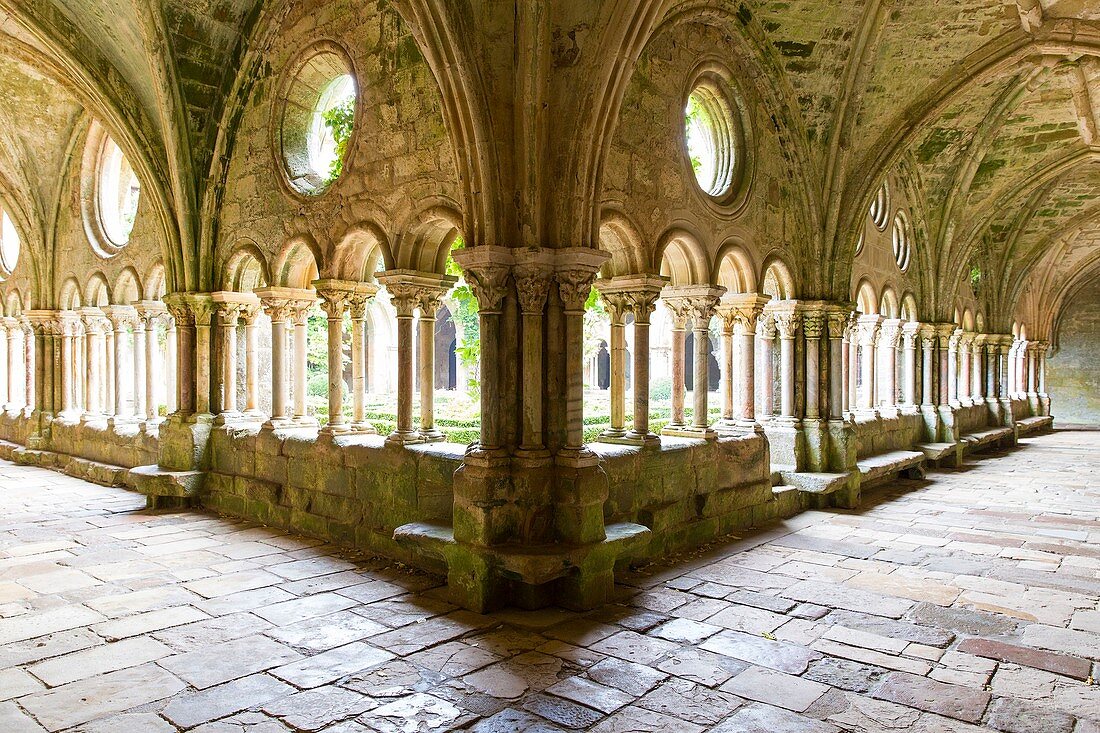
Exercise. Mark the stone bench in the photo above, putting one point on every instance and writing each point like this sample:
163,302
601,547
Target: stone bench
1036,424
873,469
995,437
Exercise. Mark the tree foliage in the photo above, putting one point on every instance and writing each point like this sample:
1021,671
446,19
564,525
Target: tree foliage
339,119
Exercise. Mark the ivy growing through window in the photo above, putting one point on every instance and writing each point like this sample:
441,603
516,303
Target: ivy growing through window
339,120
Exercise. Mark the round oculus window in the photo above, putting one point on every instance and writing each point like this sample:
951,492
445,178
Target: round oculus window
117,192
317,122
880,207
9,244
712,136
903,240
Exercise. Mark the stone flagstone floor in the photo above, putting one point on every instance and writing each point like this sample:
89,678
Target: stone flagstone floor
967,602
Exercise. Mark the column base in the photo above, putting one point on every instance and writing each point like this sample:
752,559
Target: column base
691,431
363,428
226,418
612,435
431,435
305,421
888,411
278,423
643,440
331,431
89,417
401,438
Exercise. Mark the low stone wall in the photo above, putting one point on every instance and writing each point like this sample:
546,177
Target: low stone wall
689,492
973,418
355,490
124,445
875,436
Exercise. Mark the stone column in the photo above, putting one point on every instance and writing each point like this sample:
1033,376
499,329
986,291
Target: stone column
227,315
953,344
357,305
697,303
617,306
1032,373
250,314
853,364
404,297
837,324
963,384
334,302
283,305
869,329
889,335
201,307
787,323
766,332
910,334
428,301
813,326
137,364
67,321
6,347
977,350
728,384
109,369
30,393
40,322
643,294
278,310
15,346
847,365
575,271
122,319
533,274
1041,368
679,319
171,361
94,367
992,371
487,269
299,316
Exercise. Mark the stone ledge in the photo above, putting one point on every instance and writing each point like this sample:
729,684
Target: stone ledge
985,438
816,483
1036,424
533,565
888,465
165,489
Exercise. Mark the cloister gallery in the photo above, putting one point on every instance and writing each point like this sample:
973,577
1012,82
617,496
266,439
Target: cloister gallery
524,295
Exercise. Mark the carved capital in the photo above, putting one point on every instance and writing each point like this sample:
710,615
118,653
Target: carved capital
532,285
574,285
837,323
333,302
787,324
618,304
357,305
813,325
405,297
765,328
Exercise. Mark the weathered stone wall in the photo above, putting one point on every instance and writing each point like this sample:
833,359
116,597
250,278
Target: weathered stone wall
882,435
399,158
689,492
355,491
1073,373
649,178
125,446
972,418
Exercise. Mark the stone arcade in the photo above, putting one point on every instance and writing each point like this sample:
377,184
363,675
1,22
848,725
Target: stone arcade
528,294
